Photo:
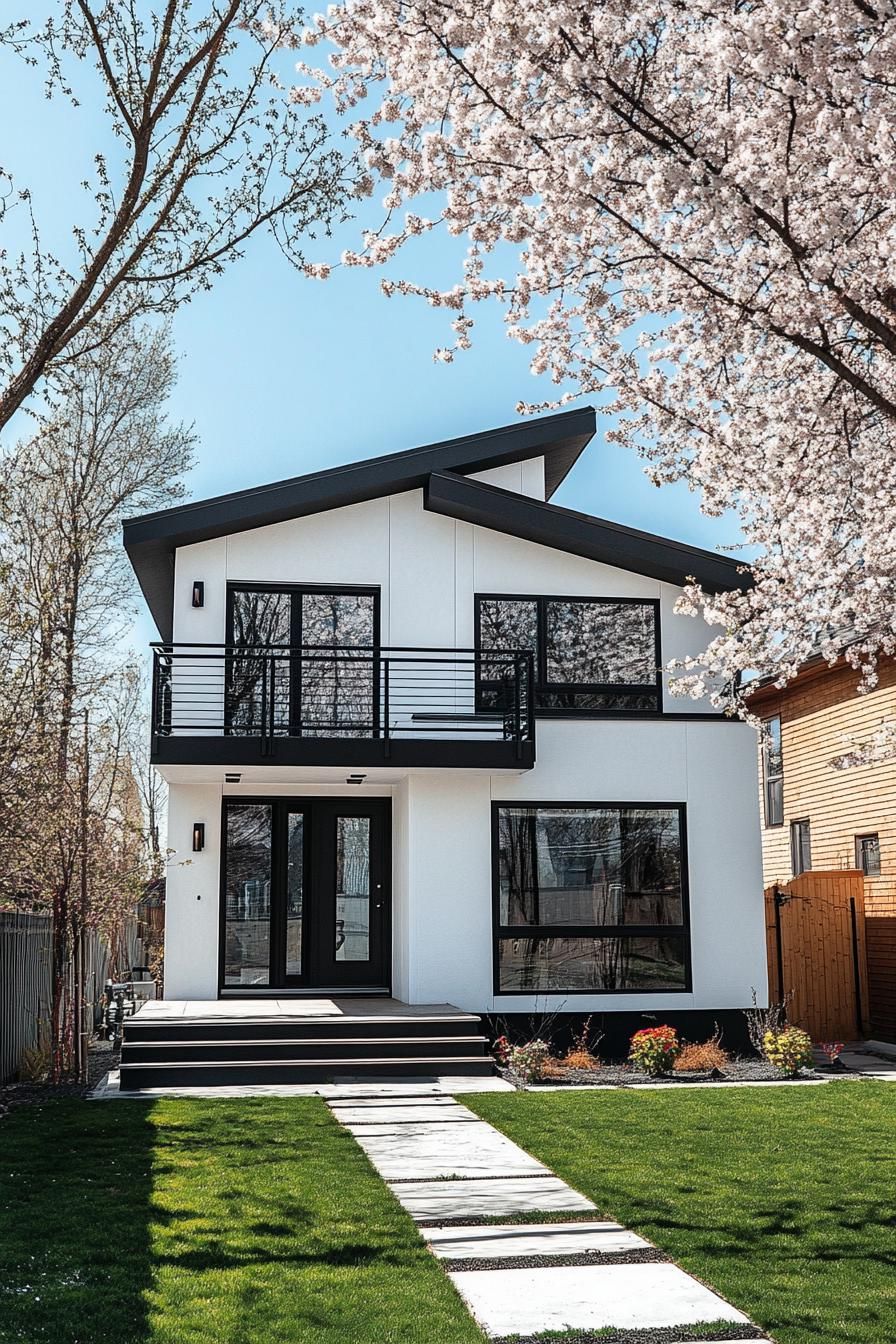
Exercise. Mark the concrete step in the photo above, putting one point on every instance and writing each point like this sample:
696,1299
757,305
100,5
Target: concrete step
372,1026
365,1068
303,1048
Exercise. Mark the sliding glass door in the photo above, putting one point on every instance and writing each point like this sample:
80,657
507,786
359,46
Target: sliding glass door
315,670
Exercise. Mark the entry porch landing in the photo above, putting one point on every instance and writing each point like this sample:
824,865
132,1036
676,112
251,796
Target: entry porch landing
240,1042
264,1009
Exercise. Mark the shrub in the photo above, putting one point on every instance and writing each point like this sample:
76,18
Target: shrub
833,1050
703,1056
501,1050
655,1049
789,1050
34,1065
580,1059
581,1054
529,1061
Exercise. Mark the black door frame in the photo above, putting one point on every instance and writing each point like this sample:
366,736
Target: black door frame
320,970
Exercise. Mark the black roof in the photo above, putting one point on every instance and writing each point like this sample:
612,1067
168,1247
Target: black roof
439,469
581,534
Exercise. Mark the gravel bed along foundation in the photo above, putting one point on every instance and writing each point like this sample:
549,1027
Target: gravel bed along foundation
100,1060
623,1075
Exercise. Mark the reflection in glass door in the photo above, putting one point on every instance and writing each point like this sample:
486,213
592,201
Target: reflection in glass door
352,907
247,894
295,890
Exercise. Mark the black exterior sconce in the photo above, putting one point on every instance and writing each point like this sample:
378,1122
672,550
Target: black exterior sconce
199,593
198,836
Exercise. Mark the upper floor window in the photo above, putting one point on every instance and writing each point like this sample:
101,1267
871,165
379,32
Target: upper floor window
868,854
800,846
773,772
591,654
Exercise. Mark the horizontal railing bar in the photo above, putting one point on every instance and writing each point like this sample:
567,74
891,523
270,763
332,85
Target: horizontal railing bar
384,650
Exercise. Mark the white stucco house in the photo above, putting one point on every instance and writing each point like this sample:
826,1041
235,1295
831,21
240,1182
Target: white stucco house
418,744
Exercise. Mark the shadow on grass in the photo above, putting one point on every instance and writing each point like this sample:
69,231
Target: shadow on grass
75,1196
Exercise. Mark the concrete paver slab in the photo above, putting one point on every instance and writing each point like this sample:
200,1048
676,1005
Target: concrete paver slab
425,1200
407,1152
628,1297
351,1114
495,1241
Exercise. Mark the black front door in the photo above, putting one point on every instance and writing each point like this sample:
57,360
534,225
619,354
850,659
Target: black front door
305,894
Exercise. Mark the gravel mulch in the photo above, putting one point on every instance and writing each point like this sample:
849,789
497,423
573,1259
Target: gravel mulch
101,1058
623,1075
648,1256
662,1335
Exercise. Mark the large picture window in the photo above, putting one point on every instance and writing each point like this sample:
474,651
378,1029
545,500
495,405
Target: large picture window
590,898
592,655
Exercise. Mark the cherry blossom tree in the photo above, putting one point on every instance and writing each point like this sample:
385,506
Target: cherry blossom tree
696,209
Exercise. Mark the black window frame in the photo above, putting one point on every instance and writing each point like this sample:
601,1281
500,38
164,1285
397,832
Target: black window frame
860,852
501,932
799,851
295,592
543,686
769,780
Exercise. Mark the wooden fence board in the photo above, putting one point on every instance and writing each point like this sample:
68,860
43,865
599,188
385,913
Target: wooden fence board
810,919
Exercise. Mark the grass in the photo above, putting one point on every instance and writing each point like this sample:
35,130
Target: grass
783,1199
207,1222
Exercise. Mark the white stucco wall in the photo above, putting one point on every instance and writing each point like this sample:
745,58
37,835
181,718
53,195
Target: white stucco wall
428,568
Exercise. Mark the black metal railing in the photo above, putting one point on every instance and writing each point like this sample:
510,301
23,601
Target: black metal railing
317,691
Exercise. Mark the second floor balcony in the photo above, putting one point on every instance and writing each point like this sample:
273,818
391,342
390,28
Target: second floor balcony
342,706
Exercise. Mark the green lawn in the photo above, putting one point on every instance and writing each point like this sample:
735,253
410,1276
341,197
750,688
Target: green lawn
783,1199
207,1222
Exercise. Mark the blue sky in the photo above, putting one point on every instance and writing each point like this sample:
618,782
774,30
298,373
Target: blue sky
281,375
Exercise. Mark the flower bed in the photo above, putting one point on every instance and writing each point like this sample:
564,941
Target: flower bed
625,1075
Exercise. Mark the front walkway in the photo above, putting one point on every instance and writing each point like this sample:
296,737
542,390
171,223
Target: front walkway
553,1265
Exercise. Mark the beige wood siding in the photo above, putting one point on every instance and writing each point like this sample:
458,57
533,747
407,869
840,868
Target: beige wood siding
818,712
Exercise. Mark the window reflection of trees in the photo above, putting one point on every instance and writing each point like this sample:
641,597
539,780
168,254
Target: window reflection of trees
594,869
315,692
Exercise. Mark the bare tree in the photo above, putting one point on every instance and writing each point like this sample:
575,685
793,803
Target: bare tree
213,151
71,823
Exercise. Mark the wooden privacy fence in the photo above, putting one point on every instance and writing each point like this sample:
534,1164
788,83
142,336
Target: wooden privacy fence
24,985
815,926
25,980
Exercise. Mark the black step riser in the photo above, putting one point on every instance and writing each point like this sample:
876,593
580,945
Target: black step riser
178,1052
134,1076
298,1029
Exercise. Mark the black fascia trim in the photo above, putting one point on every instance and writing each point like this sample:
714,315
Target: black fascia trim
580,534
345,752
500,931
151,539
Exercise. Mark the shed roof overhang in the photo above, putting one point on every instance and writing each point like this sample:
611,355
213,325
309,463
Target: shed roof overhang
152,539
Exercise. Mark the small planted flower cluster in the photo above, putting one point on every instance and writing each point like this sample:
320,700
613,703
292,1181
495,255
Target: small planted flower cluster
529,1061
655,1050
789,1050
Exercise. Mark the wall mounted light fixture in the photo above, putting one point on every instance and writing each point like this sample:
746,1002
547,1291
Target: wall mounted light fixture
198,836
198,593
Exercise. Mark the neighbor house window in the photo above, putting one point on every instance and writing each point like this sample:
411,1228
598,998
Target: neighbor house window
800,847
597,655
590,899
868,854
773,772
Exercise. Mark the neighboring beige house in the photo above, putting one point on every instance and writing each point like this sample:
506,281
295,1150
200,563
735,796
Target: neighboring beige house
814,816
